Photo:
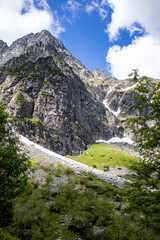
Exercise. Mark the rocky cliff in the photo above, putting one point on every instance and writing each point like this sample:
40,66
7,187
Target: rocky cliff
58,102
47,45
118,96
41,84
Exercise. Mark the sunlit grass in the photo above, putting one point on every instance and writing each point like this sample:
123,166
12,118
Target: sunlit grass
101,154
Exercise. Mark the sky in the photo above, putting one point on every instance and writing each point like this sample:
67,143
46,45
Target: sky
113,35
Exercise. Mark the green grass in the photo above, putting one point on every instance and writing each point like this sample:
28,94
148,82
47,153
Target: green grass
101,154
37,160
36,121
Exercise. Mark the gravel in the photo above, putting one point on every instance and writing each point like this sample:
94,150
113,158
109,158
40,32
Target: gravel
35,150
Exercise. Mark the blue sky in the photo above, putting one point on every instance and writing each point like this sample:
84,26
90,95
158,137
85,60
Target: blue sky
113,35
87,41
85,35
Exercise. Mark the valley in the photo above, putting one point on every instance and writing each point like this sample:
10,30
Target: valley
91,143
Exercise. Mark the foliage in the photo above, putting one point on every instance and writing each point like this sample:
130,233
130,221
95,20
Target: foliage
6,236
20,100
126,227
101,154
83,208
134,74
13,166
41,213
36,121
144,194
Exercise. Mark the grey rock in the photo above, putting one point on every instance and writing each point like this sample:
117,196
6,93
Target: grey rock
48,45
98,73
3,47
57,100
51,102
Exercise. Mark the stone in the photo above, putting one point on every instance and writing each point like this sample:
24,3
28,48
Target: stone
42,89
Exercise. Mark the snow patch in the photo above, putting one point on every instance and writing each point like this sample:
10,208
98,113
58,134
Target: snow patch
116,113
116,140
132,87
112,89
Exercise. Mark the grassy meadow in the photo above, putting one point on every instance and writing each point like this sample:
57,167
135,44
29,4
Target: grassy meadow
100,155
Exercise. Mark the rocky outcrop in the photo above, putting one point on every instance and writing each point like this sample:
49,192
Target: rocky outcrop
101,75
117,95
98,83
51,102
47,45
58,102
3,47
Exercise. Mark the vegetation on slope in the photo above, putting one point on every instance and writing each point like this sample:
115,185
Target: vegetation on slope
101,155
144,194
58,204
14,167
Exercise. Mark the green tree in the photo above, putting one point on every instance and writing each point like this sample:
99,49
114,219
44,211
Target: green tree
144,194
6,236
14,166
134,74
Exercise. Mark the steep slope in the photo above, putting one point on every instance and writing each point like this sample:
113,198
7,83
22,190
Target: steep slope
48,44
3,48
50,101
117,95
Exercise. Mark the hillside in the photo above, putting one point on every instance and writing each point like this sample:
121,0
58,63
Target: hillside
58,102
65,109
50,101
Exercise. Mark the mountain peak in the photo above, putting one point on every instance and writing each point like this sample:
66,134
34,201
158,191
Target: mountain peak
98,73
3,46
44,37
17,47
45,44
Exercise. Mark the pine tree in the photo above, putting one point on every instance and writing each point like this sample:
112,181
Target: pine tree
134,74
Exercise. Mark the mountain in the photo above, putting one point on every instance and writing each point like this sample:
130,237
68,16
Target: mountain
58,102
3,48
117,95
44,86
48,45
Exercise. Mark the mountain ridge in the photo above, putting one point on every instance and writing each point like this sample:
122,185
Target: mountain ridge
45,38
49,99
59,103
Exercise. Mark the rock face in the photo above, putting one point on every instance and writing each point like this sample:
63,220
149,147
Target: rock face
3,48
47,45
99,74
117,95
40,86
58,102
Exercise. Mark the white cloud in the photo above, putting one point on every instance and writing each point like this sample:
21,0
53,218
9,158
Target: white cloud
73,6
20,17
134,29
143,53
102,12
128,12
90,8
98,5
